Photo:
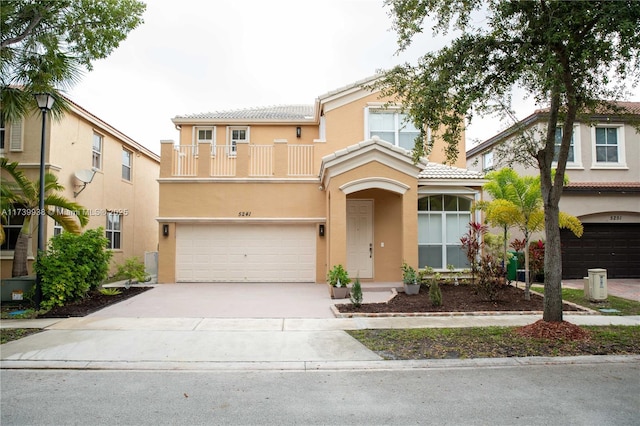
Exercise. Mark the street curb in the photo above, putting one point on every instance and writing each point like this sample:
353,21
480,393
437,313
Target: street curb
310,366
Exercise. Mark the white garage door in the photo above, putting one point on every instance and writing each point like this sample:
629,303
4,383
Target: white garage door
245,253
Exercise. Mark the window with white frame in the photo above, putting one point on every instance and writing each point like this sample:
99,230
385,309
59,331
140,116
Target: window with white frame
608,145
114,230
12,226
96,161
322,130
571,158
127,159
14,138
442,220
237,135
204,134
392,126
487,160
57,228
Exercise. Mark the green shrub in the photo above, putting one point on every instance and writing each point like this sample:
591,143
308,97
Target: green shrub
409,275
110,291
132,269
71,266
356,293
338,274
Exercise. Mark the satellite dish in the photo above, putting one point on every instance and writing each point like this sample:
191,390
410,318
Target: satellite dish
85,176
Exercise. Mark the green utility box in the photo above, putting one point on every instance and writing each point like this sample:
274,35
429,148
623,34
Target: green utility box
15,289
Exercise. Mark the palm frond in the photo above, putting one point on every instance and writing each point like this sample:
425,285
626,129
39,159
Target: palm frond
57,205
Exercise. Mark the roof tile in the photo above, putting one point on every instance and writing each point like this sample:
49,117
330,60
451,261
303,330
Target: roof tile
275,112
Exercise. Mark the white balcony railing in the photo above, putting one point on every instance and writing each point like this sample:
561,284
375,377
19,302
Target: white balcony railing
260,160
185,160
247,160
300,160
223,160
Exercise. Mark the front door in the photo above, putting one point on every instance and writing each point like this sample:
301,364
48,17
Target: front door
360,238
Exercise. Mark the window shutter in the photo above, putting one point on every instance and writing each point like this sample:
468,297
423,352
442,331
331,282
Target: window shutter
15,141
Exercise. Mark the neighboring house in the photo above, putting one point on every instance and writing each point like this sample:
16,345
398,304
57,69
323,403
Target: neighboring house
122,196
285,193
603,191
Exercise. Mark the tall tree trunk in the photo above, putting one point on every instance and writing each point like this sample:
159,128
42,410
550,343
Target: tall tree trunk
20,252
552,265
527,272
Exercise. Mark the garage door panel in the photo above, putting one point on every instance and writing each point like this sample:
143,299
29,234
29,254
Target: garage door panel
237,253
603,245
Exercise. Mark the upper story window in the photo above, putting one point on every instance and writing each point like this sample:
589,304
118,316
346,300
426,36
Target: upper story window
114,230
393,127
96,162
14,136
322,131
237,135
487,160
204,134
126,164
571,158
608,145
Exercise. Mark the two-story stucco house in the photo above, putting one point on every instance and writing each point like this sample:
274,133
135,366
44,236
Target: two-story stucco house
284,193
603,190
122,193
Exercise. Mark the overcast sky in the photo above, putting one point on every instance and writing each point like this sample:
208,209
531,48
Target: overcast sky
194,56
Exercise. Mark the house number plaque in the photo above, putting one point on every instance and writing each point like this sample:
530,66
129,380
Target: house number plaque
244,214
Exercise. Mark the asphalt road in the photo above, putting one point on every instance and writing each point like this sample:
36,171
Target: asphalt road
567,394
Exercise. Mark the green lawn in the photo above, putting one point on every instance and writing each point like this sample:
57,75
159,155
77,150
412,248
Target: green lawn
494,342
625,306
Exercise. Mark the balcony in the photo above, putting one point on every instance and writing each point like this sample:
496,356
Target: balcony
205,160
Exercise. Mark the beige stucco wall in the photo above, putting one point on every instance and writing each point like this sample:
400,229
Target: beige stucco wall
221,199
69,149
395,220
346,123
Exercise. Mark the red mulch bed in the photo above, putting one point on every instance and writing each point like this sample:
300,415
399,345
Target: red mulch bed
553,330
461,298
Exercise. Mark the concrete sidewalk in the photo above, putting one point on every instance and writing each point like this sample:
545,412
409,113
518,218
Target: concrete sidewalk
240,343
239,326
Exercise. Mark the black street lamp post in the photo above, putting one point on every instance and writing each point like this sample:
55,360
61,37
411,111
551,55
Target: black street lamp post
45,102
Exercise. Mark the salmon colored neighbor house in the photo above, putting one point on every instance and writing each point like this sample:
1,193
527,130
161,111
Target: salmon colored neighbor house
284,193
112,176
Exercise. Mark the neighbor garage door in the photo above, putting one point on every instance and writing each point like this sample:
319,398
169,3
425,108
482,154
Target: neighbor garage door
245,253
614,247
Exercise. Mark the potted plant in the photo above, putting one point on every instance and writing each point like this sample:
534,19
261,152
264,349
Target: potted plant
338,278
410,279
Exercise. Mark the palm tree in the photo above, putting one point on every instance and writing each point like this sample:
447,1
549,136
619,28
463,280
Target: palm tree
23,194
517,201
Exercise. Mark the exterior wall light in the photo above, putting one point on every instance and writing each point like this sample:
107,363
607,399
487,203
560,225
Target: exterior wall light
298,131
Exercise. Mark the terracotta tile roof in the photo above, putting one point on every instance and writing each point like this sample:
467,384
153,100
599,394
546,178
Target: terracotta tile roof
276,112
616,108
442,171
602,187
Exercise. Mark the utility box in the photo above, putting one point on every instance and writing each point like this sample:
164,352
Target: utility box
16,289
597,284
587,294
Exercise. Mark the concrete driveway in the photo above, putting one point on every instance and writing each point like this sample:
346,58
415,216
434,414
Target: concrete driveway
234,300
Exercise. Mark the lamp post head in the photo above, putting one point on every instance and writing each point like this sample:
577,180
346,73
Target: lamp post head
44,100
